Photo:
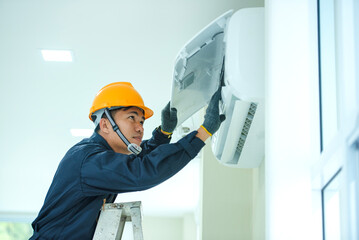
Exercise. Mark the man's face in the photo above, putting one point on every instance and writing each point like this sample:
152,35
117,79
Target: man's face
130,121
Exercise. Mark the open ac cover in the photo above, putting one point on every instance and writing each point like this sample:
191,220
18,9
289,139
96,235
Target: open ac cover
229,51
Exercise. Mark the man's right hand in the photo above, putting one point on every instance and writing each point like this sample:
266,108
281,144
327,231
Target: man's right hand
212,118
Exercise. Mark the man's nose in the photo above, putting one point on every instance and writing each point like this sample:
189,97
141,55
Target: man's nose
139,127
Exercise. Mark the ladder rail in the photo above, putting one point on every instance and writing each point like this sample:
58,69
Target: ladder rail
136,223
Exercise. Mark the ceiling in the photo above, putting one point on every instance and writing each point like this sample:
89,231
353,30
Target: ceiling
134,41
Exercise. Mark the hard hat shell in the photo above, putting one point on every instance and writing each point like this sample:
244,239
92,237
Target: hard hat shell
119,94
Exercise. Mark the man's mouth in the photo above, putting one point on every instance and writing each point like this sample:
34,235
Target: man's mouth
139,138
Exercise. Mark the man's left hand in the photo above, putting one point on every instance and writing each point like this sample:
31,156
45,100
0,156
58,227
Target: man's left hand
169,119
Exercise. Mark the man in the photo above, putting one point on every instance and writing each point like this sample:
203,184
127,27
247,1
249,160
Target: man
115,160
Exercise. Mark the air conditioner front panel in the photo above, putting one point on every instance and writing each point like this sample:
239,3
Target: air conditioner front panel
197,69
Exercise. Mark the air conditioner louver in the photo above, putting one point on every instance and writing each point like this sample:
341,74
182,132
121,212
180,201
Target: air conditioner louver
246,127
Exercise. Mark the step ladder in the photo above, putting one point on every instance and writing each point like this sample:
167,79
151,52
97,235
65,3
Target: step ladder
113,218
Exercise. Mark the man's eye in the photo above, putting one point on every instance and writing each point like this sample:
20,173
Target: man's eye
132,117
142,122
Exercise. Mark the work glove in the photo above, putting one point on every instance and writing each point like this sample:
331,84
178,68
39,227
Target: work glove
212,118
169,119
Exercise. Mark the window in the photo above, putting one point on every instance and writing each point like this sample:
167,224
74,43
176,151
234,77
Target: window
337,172
15,231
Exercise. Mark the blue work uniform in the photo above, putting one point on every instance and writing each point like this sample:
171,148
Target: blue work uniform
91,172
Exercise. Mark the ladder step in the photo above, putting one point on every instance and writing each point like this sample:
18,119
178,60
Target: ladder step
112,221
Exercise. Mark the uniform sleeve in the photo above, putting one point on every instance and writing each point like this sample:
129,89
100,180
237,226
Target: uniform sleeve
156,140
106,172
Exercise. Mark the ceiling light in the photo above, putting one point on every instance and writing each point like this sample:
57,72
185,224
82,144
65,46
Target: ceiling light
81,132
57,55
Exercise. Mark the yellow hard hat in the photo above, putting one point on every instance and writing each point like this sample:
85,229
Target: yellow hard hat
118,94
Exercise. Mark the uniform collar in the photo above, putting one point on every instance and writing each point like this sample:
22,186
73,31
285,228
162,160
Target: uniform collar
99,139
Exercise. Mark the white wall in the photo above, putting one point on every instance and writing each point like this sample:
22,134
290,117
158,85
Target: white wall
190,227
292,122
226,200
174,228
162,228
258,201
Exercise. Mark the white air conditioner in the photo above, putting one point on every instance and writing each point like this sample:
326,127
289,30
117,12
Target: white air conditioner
229,51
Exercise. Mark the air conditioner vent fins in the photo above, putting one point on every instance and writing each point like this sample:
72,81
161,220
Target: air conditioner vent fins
246,127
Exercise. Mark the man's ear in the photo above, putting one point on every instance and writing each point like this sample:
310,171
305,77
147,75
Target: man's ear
105,125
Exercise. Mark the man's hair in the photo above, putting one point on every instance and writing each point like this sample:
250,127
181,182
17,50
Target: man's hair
112,113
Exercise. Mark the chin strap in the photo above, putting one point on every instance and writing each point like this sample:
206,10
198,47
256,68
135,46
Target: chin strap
135,149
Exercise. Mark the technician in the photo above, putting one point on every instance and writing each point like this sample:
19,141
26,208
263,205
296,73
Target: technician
115,160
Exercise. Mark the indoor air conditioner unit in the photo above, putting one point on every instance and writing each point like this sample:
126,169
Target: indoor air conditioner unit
230,52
